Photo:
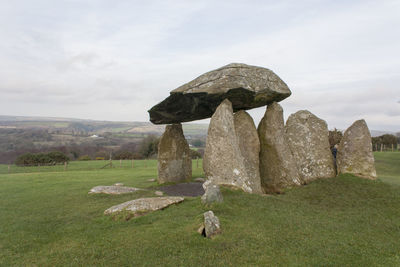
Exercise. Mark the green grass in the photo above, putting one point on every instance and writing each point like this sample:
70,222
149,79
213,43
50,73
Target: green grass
388,166
48,219
92,165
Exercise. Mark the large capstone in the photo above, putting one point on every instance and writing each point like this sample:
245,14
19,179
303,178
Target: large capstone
308,139
223,162
174,159
245,86
355,151
249,145
278,169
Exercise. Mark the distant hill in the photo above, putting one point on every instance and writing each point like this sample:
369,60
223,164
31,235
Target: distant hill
94,126
375,133
77,137
35,118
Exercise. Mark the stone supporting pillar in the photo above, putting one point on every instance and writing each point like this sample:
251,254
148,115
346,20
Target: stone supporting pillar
174,157
223,161
278,170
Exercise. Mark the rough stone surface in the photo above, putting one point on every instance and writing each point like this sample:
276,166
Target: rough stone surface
112,189
308,139
223,162
159,193
212,193
144,205
277,167
211,224
249,145
354,154
245,86
199,180
174,157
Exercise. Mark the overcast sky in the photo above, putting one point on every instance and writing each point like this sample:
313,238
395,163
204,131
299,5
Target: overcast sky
114,60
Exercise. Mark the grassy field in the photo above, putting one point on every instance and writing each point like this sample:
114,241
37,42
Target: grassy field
48,219
388,166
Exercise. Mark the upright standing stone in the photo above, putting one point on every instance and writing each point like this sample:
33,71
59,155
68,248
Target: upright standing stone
249,145
212,225
174,159
223,162
355,151
277,167
308,139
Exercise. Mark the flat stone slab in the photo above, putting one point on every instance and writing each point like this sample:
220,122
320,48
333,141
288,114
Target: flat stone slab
183,189
245,86
112,189
144,205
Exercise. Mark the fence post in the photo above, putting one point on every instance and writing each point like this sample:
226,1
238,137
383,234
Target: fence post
9,168
132,164
65,165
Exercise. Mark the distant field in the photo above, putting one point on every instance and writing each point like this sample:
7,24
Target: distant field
90,165
48,219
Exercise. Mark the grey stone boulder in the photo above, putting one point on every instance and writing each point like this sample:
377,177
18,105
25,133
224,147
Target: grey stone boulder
211,224
142,206
212,193
112,190
199,180
223,162
278,169
308,139
249,145
174,156
159,193
354,153
245,86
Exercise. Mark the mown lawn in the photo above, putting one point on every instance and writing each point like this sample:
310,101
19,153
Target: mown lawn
388,166
48,219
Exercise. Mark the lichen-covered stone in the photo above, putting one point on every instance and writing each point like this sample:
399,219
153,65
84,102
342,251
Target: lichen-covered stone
308,139
112,189
223,162
277,167
211,224
354,154
249,145
212,193
174,157
245,86
144,205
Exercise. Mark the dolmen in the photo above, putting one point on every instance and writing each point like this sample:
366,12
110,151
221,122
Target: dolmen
269,158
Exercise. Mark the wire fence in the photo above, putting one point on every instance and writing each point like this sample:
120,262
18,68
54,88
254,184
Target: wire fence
382,147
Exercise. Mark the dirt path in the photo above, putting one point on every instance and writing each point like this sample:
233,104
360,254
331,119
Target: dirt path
184,189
